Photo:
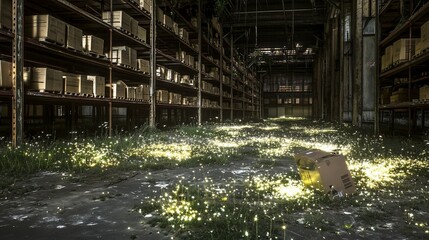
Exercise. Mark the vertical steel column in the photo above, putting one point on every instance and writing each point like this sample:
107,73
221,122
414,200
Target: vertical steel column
357,62
221,75
377,69
232,75
200,110
17,73
110,110
152,110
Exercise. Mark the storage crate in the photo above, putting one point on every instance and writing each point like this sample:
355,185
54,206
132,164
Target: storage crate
98,85
72,83
161,72
389,55
134,26
183,33
121,55
86,87
131,92
424,93
168,22
175,98
175,28
6,14
121,20
162,96
45,28
139,92
124,55
169,75
93,44
146,5
5,74
46,79
146,92
143,65
118,90
74,37
159,15
142,34
403,49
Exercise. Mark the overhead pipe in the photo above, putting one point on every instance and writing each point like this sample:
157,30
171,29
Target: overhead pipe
279,11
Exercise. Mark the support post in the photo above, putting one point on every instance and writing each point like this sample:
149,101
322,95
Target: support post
17,73
152,90
357,62
199,63
110,110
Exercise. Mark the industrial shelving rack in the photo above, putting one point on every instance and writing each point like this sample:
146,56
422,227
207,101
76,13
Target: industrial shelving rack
406,115
238,98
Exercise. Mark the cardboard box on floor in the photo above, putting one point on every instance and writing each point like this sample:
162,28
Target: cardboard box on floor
325,171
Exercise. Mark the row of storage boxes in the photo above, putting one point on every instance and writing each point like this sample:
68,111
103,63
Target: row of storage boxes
209,103
171,75
121,91
400,51
166,97
51,80
208,87
186,59
48,28
146,5
123,21
387,95
169,23
126,56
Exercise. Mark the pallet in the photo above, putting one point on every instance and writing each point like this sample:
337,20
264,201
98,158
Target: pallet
72,93
126,66
99,96
49,41
399,62
74,50
96,55
86,95
421,101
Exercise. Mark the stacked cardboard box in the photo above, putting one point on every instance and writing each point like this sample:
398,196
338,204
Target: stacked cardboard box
71,83
98,85
143,65
121,20
161,72
46,28
74,37
191,101
131,93
141,34
124,55
175,28
176,77
93,44
183,33
167,21
175,98
169,75
146,92
403,49
162,96
159,15
86,87
146,5
424,92
6,14
186,79
424,36
118,90
46,79
5,74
